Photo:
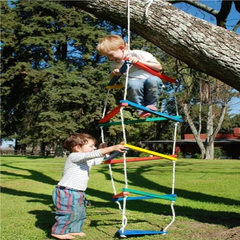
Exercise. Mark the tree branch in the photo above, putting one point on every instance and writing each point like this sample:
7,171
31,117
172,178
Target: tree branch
197,5
202,45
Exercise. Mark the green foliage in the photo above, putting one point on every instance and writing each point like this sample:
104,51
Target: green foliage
50,87
218,152
235,121
197,156
53,80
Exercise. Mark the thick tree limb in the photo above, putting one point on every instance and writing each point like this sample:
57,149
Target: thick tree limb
202,45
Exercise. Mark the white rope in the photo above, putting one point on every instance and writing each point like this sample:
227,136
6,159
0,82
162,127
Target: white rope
174,164
124,218
149,3
103,140
105,104
128,26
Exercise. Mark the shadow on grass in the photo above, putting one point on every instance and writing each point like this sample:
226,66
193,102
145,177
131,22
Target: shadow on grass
45,219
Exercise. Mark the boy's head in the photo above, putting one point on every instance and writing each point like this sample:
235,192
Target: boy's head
110,43
78,139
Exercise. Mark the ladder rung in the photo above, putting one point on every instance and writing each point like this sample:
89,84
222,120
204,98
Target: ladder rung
135,159
114,112
132,198
122,70
118,86
119,195
138,121
145,109
150,152
171,197
139,232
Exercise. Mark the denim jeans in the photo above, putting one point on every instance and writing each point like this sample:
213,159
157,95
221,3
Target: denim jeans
144,92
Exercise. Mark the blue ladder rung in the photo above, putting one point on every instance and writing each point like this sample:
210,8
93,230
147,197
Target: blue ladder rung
122,70
114,155
145,109
139,232
171,197
132,198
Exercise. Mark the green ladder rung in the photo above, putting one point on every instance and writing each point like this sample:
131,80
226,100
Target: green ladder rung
137,121
145,109
171,197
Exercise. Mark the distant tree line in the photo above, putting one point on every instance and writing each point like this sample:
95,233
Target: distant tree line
53,80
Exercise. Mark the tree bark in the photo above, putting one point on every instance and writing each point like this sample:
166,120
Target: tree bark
202,45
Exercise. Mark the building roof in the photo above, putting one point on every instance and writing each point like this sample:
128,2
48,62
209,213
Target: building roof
192,141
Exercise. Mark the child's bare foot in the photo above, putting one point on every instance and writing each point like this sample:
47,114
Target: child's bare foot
81,234
64,236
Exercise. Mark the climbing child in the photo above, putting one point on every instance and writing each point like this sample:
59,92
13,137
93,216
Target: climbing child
143,88
69,194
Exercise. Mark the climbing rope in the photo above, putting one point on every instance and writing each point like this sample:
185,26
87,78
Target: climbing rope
174,163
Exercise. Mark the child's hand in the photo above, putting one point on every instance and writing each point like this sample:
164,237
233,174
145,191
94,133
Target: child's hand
133,59
102,145
116,72
120,148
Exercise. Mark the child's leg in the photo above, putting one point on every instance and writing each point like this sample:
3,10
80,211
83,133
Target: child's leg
135,91
152,87
67,201
79,216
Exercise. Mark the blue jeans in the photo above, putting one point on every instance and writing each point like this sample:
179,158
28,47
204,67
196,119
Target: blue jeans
144,92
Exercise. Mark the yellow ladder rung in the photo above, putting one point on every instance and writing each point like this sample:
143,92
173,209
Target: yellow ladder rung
150,152
115,86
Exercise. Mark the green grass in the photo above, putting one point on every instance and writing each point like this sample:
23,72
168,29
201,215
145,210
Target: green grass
208,198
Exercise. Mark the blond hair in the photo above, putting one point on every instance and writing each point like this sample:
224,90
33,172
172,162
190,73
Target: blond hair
110,43
77,139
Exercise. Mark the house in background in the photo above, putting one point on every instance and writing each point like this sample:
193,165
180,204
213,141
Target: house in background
229,143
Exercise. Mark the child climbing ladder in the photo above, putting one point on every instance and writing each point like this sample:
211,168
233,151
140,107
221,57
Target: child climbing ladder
123,196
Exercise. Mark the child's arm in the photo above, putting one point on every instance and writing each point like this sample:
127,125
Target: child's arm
119,148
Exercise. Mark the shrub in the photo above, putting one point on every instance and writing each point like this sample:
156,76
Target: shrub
197,156
218,152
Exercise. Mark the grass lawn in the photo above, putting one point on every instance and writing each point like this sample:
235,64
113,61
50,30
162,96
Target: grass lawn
208,202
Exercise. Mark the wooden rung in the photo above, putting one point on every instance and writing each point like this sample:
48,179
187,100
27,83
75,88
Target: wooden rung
171,197
136,159
132,198
114,112
118,86
138,121
150,152
122,194
145,109
126,232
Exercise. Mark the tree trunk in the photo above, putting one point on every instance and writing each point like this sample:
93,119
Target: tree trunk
202,45
194,131
210,150
209,140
